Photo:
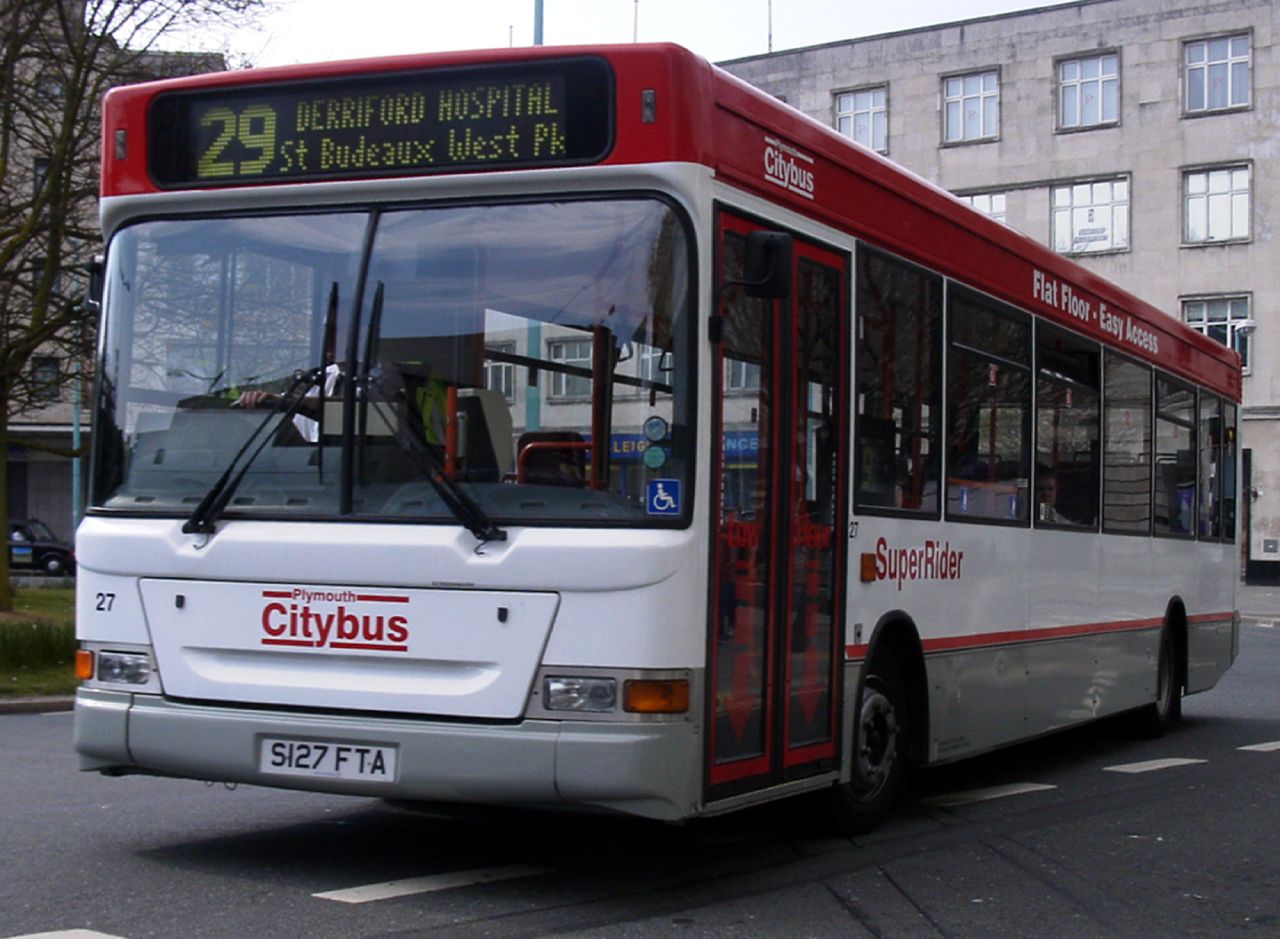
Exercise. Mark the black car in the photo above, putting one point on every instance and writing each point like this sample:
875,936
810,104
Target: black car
32,545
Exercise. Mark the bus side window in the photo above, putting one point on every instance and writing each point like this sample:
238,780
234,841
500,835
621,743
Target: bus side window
1068,448
1175,491
899,385
989,410
1126,474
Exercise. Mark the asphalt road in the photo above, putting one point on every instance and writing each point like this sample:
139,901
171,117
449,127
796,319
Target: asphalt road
1064,837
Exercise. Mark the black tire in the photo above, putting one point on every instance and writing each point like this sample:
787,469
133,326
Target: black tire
1153,719
879,765
54,565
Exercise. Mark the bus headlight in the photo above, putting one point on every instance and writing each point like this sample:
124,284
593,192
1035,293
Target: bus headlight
123,668
565,693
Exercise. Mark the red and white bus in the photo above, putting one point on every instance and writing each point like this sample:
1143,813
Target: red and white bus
583,428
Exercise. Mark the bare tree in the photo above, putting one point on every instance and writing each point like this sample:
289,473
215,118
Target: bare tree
57,60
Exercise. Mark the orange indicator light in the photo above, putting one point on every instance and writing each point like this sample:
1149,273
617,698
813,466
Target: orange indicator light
84,664
656,697
868,568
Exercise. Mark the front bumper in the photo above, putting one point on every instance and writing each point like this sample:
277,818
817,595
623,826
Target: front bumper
649,770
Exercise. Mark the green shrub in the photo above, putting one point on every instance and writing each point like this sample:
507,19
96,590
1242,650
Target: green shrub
36,645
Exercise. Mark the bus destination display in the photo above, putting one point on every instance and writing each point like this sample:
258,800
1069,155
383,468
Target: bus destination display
400,124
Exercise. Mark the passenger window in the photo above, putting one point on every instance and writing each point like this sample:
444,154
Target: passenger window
989,410
1067,429
1126,477
899,385
1228,472
1210,468
1175,482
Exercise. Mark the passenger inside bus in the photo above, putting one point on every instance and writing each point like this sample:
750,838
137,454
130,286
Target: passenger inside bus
1047,498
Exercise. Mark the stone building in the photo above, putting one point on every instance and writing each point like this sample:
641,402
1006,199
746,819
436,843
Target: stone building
1136,136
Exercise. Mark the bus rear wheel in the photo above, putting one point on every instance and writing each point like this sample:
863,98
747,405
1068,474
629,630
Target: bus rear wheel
1156,718
878,765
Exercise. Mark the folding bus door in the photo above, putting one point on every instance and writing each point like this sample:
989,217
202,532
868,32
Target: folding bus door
777,557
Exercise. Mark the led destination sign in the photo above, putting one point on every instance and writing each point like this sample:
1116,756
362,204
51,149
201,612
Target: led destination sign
406,123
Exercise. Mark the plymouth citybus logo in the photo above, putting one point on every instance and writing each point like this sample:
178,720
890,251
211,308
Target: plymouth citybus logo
788,167
309,618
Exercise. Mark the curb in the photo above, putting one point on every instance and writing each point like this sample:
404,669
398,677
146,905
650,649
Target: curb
44,705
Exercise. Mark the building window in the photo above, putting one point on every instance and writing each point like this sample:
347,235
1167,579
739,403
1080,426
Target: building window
500,376
1217,76
864,116
1225,319
971,107
650,367
1091,217
1089,91
991,204
576,354
1216,204
49,85
39,174
740,375
44,378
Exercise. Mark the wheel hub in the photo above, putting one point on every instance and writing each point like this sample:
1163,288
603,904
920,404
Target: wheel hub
877,737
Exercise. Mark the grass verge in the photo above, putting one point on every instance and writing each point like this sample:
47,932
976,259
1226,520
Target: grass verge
38,643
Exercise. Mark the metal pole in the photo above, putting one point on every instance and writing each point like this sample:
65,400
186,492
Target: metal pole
770,25
635,24
537,22
75,445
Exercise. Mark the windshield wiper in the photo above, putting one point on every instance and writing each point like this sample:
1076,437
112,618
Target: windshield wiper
201,521
464,508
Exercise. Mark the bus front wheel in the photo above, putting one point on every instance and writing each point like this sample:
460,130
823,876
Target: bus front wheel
878,766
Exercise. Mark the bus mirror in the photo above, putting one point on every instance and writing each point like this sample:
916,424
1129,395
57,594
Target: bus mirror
768,265
93,289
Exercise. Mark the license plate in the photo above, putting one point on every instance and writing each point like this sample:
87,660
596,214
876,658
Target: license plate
326,760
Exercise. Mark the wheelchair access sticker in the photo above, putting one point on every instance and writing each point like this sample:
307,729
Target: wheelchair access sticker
662,497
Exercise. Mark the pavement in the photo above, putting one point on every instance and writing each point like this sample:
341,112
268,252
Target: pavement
37,705
1257,604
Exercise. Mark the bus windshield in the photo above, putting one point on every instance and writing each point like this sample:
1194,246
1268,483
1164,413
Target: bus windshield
536,356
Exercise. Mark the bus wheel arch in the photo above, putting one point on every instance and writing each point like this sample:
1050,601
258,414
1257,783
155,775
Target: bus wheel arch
888,725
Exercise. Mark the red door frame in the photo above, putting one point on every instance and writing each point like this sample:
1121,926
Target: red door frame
786,419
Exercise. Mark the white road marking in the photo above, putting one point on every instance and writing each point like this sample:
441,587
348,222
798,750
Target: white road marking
401,888
1263,747
67,934
1148,766
983,795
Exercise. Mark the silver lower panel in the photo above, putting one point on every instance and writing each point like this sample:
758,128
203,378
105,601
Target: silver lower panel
650,770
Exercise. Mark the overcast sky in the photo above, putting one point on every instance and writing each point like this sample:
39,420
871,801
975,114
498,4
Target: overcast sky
320,30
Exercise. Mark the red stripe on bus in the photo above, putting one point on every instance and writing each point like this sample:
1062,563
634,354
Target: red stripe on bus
1212,618
1038,635
288,642
278,594
1010,637
377,647
380,598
